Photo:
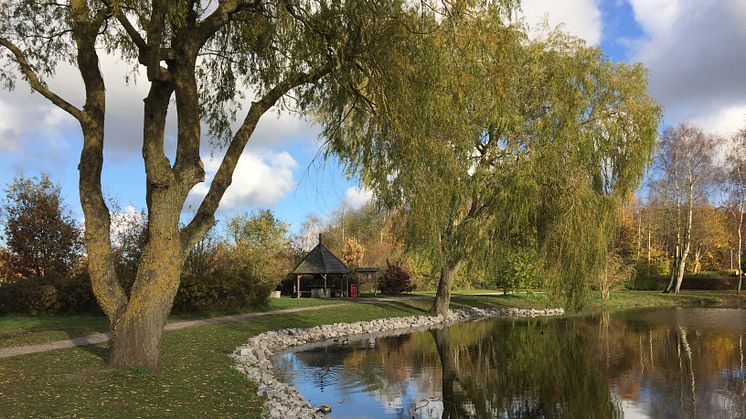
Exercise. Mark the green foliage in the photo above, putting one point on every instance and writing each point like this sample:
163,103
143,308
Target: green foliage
40,233
218,276
260,230
226,289
236,285
521,270
45,295
74,294
395,279
489,140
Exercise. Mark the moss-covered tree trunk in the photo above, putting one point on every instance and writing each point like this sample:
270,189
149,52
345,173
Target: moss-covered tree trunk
443,295
137,332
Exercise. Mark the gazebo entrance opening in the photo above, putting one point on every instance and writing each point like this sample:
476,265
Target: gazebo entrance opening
321,274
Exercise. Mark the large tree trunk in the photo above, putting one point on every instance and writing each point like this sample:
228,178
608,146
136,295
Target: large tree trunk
443,296
137,336
137,320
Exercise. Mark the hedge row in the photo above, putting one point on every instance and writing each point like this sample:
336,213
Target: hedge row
710,283
230,289
43,295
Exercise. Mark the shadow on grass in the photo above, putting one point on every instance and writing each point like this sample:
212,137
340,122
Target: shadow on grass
92,343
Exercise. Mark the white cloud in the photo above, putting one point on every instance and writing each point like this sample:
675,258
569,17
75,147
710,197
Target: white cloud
124,117
124,221
24,124
581,18
724,121
257,181
357,197
696,51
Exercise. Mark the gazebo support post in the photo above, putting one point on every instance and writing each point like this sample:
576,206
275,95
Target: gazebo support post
325,291
297,286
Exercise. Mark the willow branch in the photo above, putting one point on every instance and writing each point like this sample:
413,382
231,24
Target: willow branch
133,33
37,85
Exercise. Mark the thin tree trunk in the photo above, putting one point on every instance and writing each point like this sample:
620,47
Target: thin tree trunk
639,235
443,296
687,246
740,244
674,270
690,366
675,265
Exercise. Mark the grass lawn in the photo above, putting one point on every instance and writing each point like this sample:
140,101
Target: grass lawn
27,330
198,378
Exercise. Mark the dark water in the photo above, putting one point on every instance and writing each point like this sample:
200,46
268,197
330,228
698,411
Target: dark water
662,363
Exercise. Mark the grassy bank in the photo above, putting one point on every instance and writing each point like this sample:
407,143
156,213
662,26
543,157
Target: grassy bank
198,379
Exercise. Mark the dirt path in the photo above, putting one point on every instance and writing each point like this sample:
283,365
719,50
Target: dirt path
97,338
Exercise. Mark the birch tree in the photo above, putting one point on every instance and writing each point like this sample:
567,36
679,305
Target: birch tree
684,161
736,189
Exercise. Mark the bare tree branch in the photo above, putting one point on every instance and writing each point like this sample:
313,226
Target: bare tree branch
37,85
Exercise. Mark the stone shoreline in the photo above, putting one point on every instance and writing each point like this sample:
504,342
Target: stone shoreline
254,358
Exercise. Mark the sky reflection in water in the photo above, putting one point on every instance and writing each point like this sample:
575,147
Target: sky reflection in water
659,363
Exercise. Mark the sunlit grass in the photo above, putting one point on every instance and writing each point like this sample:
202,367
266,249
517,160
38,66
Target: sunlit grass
28,330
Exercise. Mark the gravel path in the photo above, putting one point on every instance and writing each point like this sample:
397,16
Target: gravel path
97,338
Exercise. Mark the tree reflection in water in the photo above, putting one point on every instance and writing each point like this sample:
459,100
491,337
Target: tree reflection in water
676,363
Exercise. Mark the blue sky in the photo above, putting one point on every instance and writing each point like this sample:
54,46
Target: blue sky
695,50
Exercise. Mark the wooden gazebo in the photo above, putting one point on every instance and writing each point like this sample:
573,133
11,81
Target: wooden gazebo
319,261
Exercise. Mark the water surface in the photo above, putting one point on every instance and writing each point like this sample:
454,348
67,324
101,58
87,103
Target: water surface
658,363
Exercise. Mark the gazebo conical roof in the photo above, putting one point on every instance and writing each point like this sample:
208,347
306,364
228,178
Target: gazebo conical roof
321,261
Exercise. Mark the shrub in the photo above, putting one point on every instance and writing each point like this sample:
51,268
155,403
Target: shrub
649,276
614,273
75,295
44,295
520,270
395,279
233,287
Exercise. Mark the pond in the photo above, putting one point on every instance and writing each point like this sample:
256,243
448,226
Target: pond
653,363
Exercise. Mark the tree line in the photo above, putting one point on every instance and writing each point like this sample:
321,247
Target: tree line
691,217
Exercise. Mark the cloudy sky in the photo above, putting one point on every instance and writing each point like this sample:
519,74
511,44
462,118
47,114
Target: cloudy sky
695,50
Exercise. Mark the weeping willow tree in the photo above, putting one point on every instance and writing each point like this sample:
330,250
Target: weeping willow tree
489,141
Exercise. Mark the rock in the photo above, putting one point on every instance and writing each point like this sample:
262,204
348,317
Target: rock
325,409
266,392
